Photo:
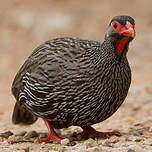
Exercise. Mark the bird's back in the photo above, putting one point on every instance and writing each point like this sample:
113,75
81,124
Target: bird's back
61,56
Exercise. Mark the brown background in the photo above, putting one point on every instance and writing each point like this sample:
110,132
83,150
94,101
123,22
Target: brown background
25,24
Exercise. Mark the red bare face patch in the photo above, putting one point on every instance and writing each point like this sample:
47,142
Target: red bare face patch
116,26
121,44
125,30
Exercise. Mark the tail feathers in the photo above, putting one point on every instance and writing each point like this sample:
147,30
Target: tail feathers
22,115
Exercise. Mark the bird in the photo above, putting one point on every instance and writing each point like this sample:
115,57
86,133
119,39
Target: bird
75,82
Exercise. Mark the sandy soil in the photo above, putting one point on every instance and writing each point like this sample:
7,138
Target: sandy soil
26,24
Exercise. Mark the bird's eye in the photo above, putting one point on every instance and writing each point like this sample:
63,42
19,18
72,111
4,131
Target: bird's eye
115,25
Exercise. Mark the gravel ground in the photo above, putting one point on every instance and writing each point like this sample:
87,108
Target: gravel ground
26,24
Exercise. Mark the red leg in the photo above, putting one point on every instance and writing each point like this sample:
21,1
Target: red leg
88,131
52,134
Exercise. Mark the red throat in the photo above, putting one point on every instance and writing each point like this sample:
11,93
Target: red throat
120,45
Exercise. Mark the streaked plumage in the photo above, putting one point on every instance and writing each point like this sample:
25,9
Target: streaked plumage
71,81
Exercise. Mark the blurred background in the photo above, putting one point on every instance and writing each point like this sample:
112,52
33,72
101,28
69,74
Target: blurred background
25,24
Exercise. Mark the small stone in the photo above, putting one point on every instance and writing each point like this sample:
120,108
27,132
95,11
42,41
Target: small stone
107,143
138,139
36,140
42,135
94,149
135,147
27,149
150,129
114,139
20,133
131,138
123,139
90,143
61,150
140,132
136,108
119,144
1,139
138,124
65,141
31,134
72,143
15,139
130,150
6,134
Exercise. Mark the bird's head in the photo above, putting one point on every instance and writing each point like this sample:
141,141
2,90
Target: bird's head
120,32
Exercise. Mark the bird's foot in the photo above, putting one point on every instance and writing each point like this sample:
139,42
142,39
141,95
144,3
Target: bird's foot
105,134
51,139
52,134
91,132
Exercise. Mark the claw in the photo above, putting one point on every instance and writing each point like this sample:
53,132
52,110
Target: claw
91,132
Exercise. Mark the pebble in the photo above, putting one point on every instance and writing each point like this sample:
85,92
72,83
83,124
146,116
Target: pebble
94,149
90,143
1,139
27,149
107,145
123,139
42,135
147,142
130,150
65,141
111,140
72,143
136,108
36,140
15,139
150,129
134,138
20,133
135,147
31,134
136,132
114,139
139,139
61,150
119,144
6,134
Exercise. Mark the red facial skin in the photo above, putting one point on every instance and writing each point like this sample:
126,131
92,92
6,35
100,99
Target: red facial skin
121,44
127,31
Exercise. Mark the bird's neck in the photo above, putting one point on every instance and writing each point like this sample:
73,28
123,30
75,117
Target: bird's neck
120,47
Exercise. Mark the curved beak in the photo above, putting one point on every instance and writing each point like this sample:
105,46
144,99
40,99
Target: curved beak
128,30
